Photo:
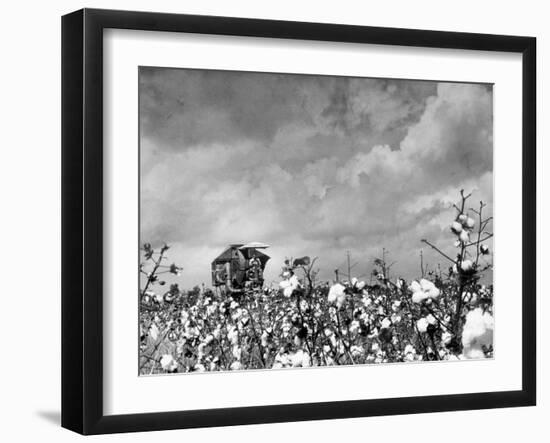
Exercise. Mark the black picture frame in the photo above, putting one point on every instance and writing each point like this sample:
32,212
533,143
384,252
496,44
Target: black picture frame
82,220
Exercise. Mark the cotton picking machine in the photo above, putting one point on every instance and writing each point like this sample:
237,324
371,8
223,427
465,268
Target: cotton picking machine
240,267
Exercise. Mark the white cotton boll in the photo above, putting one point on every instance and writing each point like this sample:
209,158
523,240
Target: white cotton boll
409,353
168,363
422,325
462,218
418,297
216,333
429,288
395,318
484,249
467,265
464,237
375,347
396,305
474,352
236,366
386,323
360,285
367,301
336,291
300,359
456,227
353,281
289,285
154,331
415,286
431,319
425,290
340,300
477,332
470,223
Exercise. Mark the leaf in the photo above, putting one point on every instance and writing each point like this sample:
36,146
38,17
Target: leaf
302,261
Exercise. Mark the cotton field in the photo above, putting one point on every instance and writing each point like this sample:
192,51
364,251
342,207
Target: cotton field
444,314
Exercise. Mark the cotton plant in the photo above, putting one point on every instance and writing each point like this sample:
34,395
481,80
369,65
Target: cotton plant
300,321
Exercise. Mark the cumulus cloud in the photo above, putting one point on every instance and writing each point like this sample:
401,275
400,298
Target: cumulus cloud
309,164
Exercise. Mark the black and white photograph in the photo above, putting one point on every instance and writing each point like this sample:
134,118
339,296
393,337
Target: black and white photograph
293,221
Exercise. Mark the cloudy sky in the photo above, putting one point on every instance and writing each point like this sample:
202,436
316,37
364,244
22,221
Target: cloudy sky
312,165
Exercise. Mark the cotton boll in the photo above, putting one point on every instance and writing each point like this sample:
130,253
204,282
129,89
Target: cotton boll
236,366
464,237
300,359
429,288
422,324
154,331
462,218
425,290
289,285
418,297
474,352
168,363
484,249
354,326
431,319
456,227
199,368
409,353
467,266
477,332
336,291
470,223
360,285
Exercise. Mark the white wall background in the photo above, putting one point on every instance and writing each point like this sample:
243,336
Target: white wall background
30,217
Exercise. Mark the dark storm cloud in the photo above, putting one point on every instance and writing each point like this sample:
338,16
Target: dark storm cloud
312,165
